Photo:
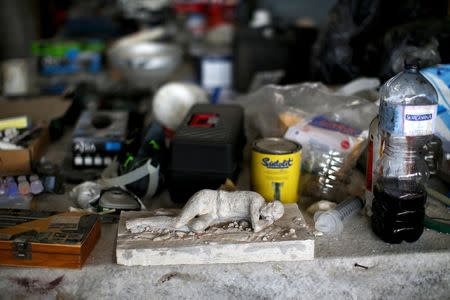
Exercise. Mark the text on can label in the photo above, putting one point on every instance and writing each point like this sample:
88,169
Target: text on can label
276,164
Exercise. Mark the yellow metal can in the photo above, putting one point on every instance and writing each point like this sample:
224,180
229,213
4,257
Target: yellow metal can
275,170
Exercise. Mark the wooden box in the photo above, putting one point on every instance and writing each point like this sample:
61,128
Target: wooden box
46,239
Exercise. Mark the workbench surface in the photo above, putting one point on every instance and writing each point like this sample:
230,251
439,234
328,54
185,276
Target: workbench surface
355,264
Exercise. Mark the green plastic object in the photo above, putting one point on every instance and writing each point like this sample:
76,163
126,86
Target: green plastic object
436,225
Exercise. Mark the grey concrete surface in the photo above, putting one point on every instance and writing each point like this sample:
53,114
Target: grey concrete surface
401,276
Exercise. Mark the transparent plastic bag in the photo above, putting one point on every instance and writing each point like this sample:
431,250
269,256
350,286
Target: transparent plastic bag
272,109
333,129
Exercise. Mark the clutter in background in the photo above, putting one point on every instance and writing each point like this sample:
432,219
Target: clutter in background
439,77
60,63
215,68
18,76
143,60
116,192
13,140
50,173
21,185
371,38
423,40
268,48
143,10
17,132
152,150
25,132
18,192
98,137
68,57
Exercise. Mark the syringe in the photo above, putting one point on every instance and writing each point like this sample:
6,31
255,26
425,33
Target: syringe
330,222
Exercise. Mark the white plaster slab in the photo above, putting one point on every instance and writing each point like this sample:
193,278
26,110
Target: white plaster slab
289,239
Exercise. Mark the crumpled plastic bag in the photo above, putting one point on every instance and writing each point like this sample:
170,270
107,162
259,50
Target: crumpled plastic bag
331,127
270,110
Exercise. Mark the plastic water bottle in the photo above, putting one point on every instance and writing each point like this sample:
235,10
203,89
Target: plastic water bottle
408,107
331,222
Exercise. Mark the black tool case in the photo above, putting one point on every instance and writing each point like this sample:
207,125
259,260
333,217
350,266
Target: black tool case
206,149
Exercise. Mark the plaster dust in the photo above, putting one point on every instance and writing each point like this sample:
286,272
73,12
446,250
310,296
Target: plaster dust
288,239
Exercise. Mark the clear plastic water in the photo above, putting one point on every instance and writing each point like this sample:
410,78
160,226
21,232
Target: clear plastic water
408,107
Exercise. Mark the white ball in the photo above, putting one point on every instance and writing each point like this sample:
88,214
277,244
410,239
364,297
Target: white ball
173,101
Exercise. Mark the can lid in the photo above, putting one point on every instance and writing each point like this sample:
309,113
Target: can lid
276,146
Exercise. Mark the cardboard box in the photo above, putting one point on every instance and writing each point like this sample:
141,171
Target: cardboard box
42,109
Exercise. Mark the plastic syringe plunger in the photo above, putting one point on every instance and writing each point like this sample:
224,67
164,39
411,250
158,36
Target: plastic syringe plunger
330,222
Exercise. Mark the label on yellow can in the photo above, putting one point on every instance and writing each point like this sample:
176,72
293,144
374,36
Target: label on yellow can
275,170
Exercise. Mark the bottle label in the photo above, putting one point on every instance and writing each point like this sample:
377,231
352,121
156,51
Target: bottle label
401,120
419,120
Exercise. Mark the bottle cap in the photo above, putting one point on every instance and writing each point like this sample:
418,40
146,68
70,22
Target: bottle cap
411,64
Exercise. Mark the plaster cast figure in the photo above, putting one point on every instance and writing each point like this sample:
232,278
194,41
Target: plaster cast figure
210,207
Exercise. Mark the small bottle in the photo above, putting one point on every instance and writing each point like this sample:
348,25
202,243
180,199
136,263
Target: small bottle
24,186
408,107
3,187
36,186
12,189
